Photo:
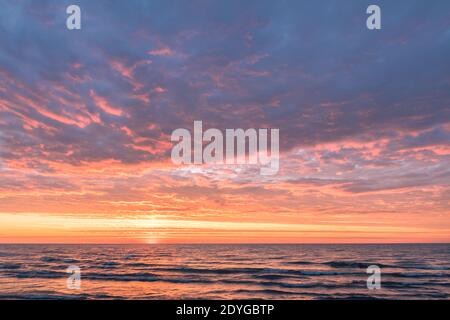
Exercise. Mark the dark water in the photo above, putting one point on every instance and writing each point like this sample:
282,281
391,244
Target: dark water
225,271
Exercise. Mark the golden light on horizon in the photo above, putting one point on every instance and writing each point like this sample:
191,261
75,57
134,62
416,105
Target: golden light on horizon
64,229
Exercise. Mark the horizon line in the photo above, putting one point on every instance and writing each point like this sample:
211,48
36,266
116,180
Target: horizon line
225,243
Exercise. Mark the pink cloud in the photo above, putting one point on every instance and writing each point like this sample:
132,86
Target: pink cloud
161,52
103,104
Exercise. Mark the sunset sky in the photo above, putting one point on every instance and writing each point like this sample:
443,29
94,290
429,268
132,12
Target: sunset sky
86,117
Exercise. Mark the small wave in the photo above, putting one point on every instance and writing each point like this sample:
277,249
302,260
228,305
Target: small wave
265,291
347,297
7,254
395,284
252,271
271,276
130,257
425,267
63,260
418,275
108,265
364,265
138,264
299,262
318,285
319,273
211,271
10,266
39,274
53,296
140,277
356,265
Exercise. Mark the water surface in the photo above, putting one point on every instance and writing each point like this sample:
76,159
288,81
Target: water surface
416,271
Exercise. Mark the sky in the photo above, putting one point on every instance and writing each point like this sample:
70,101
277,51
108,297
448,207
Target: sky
86,118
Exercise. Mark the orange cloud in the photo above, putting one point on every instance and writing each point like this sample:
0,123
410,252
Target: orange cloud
103,104
165,51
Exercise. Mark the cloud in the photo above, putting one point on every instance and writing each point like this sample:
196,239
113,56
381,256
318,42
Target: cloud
167,52
364,116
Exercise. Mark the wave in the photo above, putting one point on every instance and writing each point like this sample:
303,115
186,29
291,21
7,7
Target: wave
31,296
252,271
422,267
6,254
39,274
10,266
127,277
364,265
62,260
108,265
354,264
271,276
417,275
141,277
300,262
265,291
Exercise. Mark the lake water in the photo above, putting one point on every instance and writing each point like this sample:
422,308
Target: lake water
410,271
